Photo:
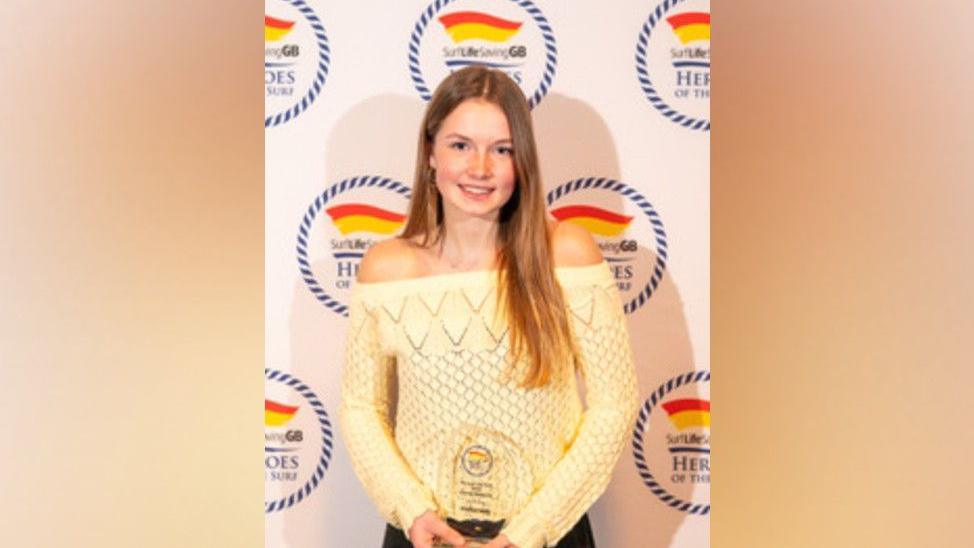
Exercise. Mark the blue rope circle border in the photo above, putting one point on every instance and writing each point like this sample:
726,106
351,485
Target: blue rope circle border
326,441
309,216
658,232
324,57
551,51
637,442
643,74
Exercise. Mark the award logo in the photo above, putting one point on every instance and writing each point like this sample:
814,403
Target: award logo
511,36
339,227
297,441
673,61
671,443
477,460
296,59
626,228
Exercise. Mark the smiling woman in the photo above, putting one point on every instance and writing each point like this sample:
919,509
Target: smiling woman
472,160
479,314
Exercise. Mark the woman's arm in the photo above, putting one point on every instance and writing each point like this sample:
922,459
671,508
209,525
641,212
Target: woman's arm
605,357
364,415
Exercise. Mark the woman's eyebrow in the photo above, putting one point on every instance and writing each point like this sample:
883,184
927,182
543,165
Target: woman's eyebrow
457,136
465,138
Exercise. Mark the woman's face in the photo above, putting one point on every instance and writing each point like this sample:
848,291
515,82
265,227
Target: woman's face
474,160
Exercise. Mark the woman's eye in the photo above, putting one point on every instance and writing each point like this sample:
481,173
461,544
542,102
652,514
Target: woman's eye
459,145
506,151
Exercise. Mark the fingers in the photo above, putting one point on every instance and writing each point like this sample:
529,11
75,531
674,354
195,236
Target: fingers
430,527
446,533
420,538
418,535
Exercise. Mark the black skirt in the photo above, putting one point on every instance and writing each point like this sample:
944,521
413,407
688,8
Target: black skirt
579,537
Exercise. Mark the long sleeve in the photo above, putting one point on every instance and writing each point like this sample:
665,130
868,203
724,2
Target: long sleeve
583,473
369,373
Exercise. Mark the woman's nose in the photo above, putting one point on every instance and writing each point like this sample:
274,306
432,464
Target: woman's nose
480,165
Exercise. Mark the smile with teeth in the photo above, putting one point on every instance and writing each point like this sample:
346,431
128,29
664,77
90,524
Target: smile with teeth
475,190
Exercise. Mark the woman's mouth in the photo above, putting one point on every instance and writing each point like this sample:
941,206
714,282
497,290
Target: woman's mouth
475,192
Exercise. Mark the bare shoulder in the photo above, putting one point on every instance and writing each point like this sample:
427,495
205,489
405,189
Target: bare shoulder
388,260
572,245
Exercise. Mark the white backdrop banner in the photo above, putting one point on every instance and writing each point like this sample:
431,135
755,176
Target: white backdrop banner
620,95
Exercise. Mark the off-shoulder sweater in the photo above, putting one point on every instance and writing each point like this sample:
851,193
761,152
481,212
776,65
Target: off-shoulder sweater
441,340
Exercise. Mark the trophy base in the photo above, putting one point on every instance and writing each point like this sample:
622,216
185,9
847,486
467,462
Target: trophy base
476,529
476,532
471,543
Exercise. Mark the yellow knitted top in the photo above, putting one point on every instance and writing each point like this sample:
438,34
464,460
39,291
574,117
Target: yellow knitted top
440,340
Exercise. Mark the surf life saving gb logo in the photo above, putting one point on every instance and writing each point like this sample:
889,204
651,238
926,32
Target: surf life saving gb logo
671,442
296,59
626,228
339,227
673,61
512,36
297,441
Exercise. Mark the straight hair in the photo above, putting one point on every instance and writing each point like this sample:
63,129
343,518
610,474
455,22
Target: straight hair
528,292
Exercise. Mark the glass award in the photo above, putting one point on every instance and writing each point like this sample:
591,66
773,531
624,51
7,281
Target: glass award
483,480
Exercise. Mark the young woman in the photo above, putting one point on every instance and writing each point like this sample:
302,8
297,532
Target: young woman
466,333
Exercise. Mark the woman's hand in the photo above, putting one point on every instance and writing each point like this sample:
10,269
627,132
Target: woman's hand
429,526
500,541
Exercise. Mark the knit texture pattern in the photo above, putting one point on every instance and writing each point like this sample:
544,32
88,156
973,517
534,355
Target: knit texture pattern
427,358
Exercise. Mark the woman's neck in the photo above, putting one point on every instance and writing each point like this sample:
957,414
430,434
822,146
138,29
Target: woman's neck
468,244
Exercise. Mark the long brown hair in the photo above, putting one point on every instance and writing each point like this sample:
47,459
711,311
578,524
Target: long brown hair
529,293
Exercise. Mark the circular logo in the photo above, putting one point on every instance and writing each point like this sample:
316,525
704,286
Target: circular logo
513,37
477,460
671,445
673,61
296,57
625,226
359,212
297,440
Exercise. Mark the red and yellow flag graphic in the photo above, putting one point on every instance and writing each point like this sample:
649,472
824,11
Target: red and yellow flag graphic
690,26
278,414
468,25
596,220
350,218
688,412
275,29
